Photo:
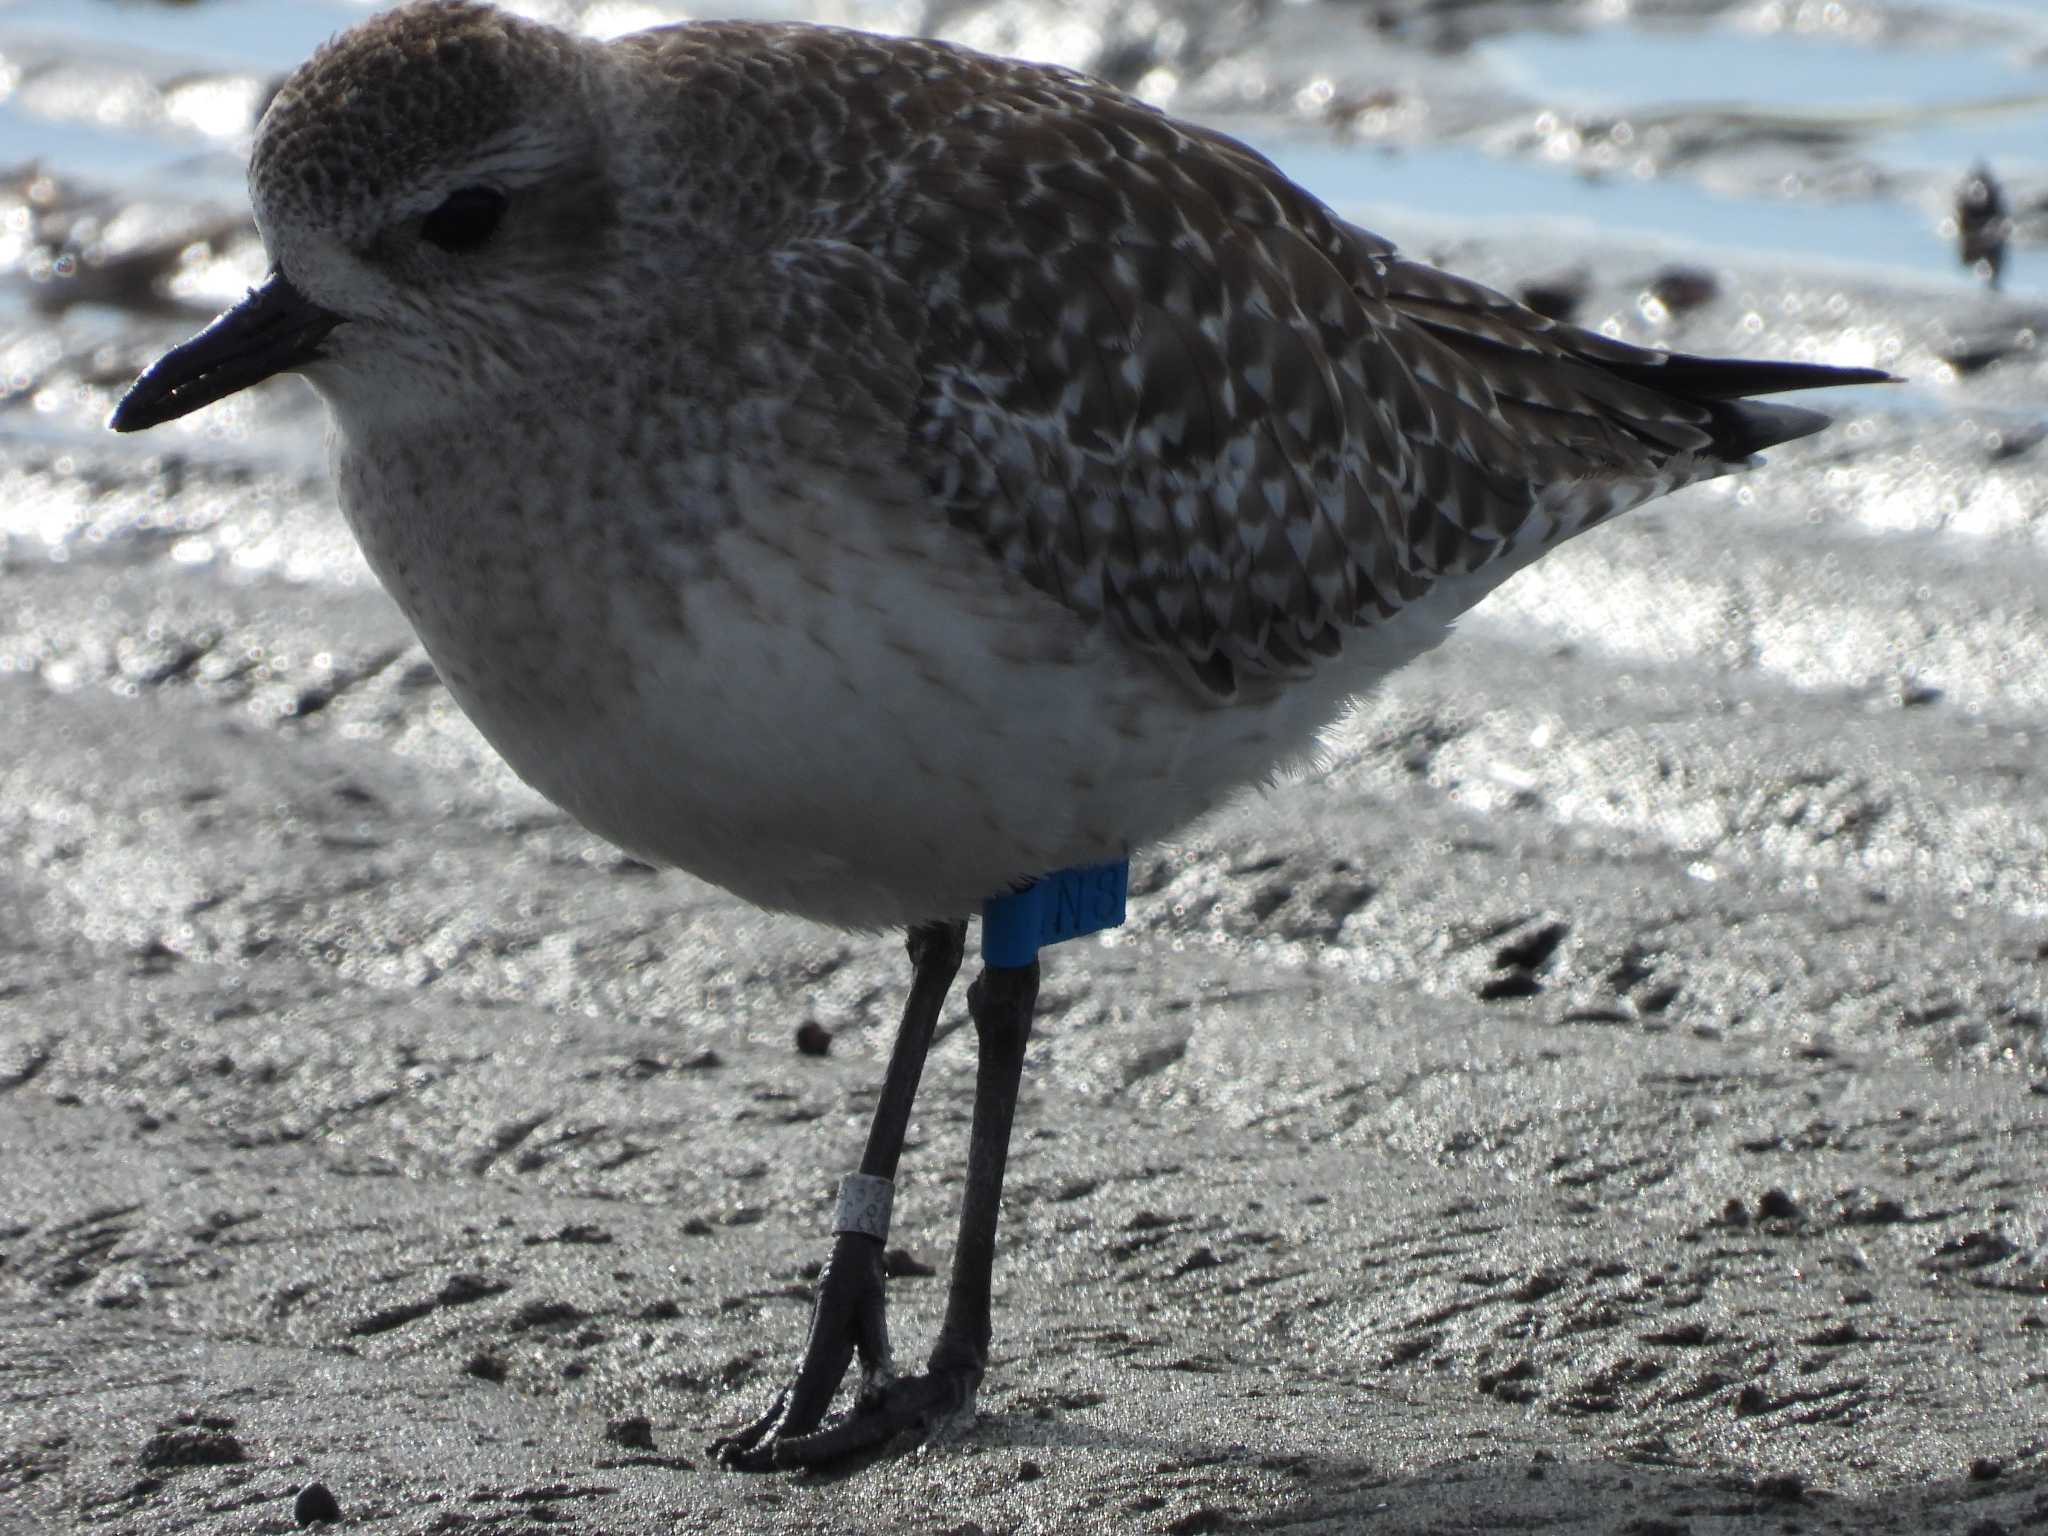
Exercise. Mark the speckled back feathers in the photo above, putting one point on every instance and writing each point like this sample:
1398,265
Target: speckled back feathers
1151,374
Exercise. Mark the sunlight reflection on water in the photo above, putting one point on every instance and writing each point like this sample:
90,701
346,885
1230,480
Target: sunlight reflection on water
1914,117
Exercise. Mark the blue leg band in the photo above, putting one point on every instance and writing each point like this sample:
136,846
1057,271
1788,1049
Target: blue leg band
1052,909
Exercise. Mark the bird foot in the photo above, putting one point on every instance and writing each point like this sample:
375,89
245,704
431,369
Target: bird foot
849,1317
938,1405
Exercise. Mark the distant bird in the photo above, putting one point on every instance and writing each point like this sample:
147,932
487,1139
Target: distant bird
871,475
1983,224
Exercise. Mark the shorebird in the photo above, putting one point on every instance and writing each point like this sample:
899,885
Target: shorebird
873,476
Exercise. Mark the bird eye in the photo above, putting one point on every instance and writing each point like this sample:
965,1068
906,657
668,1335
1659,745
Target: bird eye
466,218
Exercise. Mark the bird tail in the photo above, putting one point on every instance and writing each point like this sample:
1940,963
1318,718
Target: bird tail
1737,425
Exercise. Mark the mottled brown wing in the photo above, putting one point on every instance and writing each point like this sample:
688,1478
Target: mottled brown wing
1172,390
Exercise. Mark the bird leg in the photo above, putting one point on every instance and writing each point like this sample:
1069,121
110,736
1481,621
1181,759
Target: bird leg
1001,1002
849,1314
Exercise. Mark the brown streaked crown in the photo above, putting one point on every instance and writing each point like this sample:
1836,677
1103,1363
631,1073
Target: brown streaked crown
405,93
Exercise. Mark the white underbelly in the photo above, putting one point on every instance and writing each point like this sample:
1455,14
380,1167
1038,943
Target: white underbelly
850,714
864,732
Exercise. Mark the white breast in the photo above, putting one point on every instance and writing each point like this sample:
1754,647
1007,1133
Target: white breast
833,706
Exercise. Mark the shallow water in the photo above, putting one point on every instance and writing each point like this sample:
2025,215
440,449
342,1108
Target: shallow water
1698,122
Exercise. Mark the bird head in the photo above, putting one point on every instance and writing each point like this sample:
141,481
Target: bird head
432,190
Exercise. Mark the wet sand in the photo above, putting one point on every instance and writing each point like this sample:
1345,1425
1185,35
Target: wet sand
1609,1095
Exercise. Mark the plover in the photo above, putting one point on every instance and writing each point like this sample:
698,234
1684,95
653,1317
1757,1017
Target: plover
872,475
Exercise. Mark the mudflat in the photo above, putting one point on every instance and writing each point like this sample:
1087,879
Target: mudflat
1607,1094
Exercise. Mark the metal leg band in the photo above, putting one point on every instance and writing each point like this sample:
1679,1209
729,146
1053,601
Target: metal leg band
864,1204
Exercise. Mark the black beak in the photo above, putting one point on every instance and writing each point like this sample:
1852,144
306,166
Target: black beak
274,330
